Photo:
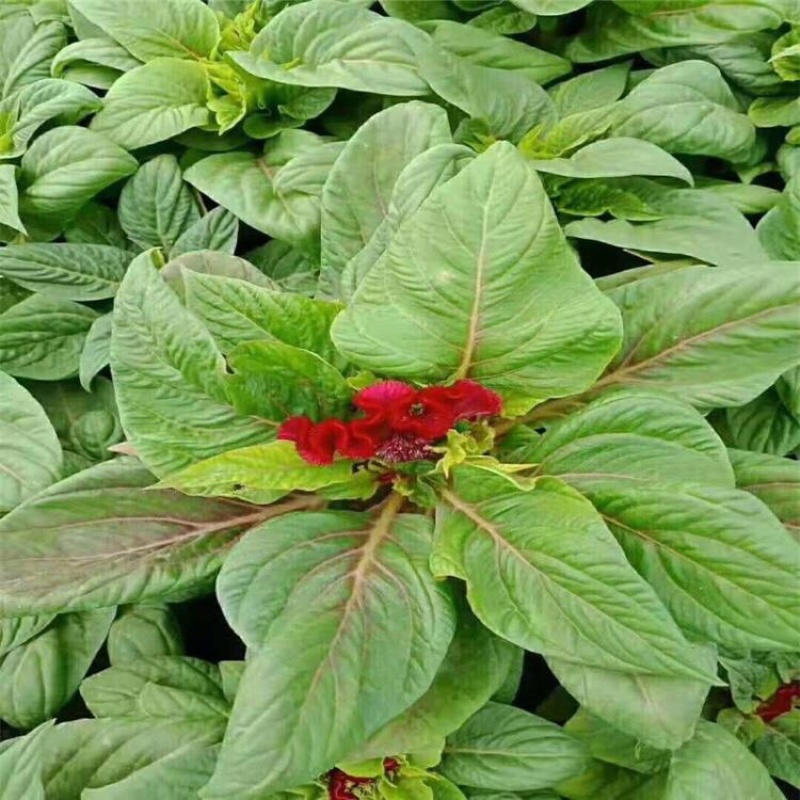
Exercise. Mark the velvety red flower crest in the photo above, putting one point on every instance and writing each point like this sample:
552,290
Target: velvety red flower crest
782,702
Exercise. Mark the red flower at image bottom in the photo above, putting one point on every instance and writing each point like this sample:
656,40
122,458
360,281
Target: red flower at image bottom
342,786
398,422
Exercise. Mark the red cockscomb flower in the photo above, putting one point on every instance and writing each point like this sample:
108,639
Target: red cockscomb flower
782,702
316,443
342,786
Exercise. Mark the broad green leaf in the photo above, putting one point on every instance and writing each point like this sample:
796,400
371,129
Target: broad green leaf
774,112
788,388
487,49
552,138
275,381
9,199
122,544
688,108
155,102
191,688
97,62
415,10
42,338
532,579
235,311
156,206
37,103
169,378
21,766
610,31
730,337
66,271
763,425
30,455
591,90
330,43
15,631
779,230
616,157
373,624
261,473
66,167
277,193
26,51
686,222
749,198
550,7
97,224
218,231
773,480
779,748
505,19
355,199
102,752
437,303
96,352
142,631
289,268
476,664
507,749
214,264
154,28
39,677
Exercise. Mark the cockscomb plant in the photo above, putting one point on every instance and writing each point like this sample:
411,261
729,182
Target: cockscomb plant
399,400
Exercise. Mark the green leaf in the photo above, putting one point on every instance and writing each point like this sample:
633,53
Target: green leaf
108,757
97,224
290,269
505,19
507,749
779,749
157,686
21,766
328,43
550,7
15,631
773,112
211,263
155,102
540,585
788,388
355,199
27,51
763,425
66,167
156,207
487,49
122,544
611,31
96,352
66,271
775,481
38,103
476,664
591,90
274,381
616,157
786,54
261,473
169,372
143,631
374,627
688,108
30,455
437,303
39,677
97,61
235,311
749,198
730,337
277,193
9,199
779,230
154,28
218,231
42,338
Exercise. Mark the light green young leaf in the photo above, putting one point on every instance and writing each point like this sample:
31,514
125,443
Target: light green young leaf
155,206
42,339
26,52
218,231
66,167
550,7
535,585
616,157
154,102
763,425
355,199
277,193
96,62
124,545
39,677
21,766
66,271
507,749
688,108
96,352
729,339
155,28
9,199
591,90
170,378
143,631
786,54
774,112
330,43
374,627
30,455
437,303
773,480
779,229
